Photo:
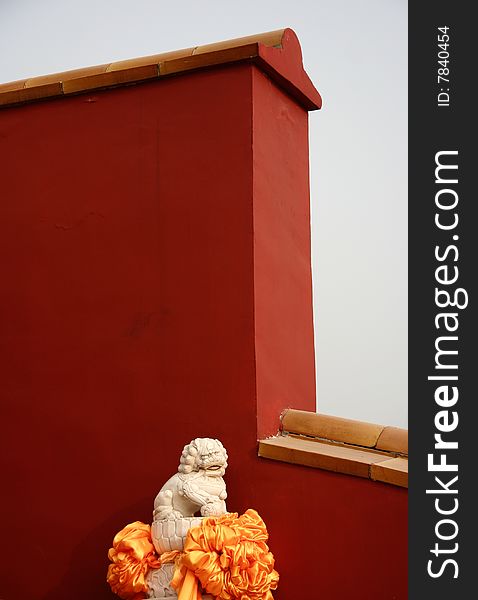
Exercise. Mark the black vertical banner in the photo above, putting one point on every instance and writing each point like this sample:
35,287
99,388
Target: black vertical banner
443,268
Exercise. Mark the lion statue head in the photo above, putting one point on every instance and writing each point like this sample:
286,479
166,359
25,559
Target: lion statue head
204,454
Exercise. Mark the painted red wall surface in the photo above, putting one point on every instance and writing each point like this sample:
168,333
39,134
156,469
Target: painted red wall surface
155,287
284,338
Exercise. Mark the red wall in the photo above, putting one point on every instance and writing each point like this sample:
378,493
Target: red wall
155,288
284,329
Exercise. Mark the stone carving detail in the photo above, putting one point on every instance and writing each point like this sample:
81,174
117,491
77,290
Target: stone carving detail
159,582
198,487
170,534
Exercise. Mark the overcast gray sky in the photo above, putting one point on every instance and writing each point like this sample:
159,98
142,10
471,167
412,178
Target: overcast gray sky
355,51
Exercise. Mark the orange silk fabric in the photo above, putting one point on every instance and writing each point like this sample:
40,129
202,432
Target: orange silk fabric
226,557
229,557
131,558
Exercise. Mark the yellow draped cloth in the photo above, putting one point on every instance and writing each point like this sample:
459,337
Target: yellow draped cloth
226,557
131,558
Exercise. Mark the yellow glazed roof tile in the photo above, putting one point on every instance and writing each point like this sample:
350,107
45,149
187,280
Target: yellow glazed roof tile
251,48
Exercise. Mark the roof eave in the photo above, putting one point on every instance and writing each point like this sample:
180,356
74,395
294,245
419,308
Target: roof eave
277,53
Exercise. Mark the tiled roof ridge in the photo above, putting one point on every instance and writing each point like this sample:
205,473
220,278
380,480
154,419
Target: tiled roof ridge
277,53
367,450
345,431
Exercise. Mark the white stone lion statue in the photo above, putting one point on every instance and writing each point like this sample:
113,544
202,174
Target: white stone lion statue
198,486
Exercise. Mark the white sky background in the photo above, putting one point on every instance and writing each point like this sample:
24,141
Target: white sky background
355,52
